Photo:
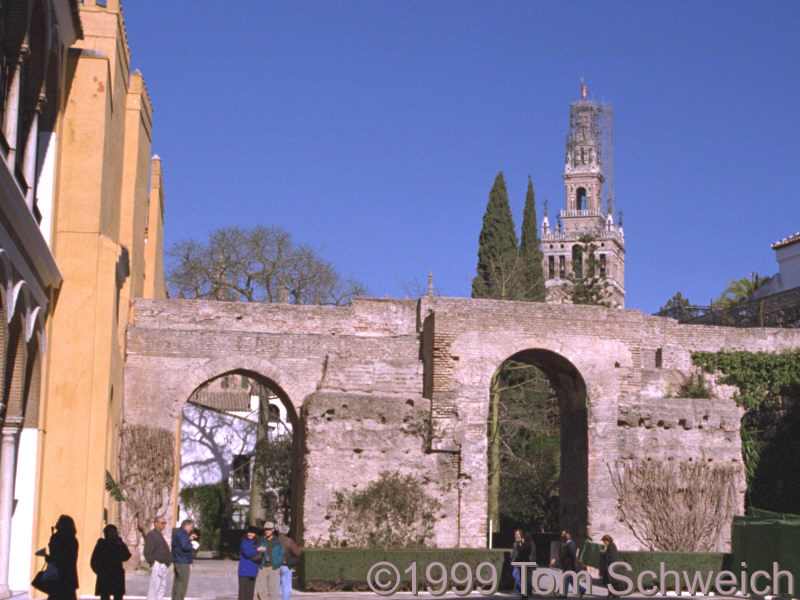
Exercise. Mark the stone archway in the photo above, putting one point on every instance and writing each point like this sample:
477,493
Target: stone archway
223,420
570,388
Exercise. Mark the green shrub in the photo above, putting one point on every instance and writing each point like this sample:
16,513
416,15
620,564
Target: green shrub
391,512
211,506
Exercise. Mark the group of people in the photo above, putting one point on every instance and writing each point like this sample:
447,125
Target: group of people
159,556
265,561
107,557
524,550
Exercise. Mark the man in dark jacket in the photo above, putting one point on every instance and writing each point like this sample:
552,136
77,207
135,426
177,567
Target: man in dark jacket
159,557
182,550
568,561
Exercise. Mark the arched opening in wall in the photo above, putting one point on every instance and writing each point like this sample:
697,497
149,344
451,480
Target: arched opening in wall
580,198
577,261
771,453
538,449
240,460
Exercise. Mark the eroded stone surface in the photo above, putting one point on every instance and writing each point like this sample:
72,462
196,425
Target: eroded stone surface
399,385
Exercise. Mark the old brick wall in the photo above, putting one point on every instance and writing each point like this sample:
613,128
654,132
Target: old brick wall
361,379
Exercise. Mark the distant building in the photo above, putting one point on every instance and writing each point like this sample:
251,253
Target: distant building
218,437
589,209
787,253
775,304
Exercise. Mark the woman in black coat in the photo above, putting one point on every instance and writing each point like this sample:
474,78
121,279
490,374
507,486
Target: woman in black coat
63,553
609,557
107,558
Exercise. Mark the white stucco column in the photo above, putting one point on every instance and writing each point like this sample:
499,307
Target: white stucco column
8,459
29,158
11,117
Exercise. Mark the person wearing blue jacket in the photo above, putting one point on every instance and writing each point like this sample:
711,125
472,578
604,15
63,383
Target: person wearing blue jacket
269,570
248,569
182,556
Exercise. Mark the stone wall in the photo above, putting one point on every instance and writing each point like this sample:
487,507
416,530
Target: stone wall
398,385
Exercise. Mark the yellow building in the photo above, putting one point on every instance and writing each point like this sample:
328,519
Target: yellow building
107,224
36,35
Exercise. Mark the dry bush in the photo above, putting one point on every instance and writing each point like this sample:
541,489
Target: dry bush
675,508
146,475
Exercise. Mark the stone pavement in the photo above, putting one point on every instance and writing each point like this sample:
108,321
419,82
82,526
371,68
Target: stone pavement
217,580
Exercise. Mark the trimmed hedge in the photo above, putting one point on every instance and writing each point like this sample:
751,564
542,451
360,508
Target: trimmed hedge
590,554
691,562
325,569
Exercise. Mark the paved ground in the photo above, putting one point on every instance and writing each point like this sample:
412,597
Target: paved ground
217,580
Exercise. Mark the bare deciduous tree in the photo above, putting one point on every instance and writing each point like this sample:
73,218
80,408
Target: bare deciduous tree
675,508
257,264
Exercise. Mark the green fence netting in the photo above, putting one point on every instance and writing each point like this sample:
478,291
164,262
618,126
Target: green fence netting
770,542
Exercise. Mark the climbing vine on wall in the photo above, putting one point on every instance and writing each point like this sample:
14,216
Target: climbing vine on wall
761,377
764,380
146,474
675,507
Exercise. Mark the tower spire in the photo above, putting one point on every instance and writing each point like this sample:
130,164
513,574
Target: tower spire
588,211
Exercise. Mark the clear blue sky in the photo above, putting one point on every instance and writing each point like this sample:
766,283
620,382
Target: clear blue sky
373,130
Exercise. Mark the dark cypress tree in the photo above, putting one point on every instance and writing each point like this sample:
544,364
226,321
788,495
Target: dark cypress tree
497,248
532,274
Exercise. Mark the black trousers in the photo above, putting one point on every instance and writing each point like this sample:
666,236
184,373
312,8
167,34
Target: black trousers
247,585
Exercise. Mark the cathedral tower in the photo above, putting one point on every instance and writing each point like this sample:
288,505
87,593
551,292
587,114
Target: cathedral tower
588,216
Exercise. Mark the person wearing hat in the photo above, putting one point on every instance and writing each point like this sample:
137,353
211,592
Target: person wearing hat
269,569
291,555
248,563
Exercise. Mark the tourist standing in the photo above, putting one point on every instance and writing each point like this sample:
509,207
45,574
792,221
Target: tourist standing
182,556
268,572
520,552
568,561
107,557
159,557
291,554
248,569
608,558
63,553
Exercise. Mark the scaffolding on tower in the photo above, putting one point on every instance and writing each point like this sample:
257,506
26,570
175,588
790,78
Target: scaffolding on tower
601,125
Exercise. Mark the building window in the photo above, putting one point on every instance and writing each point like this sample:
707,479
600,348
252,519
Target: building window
551,267
602,265
239,515
580,199
562,267
240,473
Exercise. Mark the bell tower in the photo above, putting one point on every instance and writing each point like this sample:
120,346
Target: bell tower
587,221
